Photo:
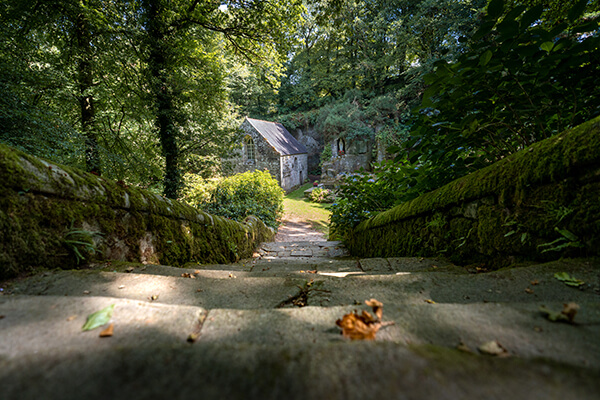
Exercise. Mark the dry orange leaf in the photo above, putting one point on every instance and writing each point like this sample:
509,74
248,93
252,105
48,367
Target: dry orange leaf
535,282
529,291
108,332
188,275
356,328
363,326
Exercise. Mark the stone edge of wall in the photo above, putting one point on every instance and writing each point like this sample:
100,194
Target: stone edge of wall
521,184
41,202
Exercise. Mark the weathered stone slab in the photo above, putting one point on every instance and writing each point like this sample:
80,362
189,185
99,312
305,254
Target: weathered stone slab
375,265
233,291
302,253
35,324
416,264
445,325
322,370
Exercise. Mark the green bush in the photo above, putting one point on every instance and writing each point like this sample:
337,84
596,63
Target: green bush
361,196
239,196
319,195
197,190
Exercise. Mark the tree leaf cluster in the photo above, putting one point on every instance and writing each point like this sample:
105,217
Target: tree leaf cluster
518,83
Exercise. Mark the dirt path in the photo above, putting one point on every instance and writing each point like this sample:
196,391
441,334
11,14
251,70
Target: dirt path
294,229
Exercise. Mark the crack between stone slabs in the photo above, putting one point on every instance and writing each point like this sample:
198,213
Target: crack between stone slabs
301,298
358,264
197,327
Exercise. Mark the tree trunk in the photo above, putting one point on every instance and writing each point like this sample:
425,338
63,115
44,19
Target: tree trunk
160,62
85,82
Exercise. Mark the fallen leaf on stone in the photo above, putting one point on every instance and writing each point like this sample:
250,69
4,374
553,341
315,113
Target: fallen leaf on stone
566,315
535,282
72,317
153,297
199,290
568,279
122,287
188,275
363,326
528,291
129,269
493,348
98,318
231,275
197,271
429,301
86,292
108,332
358,327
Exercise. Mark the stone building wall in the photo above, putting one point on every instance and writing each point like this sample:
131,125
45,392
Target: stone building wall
266,157
294,171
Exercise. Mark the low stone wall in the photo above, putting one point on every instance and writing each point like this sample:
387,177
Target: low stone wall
58,217
540,203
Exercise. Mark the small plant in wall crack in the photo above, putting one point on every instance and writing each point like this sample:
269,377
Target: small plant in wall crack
567,239
80,243
515,228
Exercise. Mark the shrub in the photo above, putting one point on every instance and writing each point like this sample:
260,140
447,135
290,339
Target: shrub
319,195
198,190
361,196
239,196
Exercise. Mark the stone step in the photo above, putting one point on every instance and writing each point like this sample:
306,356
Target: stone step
329,371
35,324
325,249
336,284
233,292
292,353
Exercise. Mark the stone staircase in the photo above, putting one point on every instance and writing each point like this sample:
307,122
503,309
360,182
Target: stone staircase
266,328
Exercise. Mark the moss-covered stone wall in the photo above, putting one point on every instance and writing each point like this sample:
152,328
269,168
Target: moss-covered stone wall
540,203
55,216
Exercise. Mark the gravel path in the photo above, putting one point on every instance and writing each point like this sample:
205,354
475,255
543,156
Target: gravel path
295,229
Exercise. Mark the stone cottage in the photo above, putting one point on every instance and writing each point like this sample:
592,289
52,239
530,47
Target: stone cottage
268,145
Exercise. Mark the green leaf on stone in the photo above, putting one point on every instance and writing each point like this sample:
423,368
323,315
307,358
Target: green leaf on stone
568,279
98,318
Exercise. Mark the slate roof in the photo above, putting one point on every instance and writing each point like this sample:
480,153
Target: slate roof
278,137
